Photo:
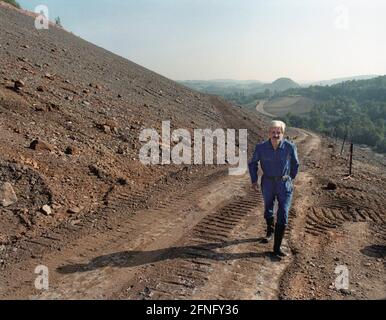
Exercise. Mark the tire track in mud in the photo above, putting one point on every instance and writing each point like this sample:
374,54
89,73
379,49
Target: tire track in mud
198,257
333,212
345,226
167,223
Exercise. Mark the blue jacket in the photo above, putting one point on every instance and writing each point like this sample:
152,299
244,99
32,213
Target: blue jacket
283,161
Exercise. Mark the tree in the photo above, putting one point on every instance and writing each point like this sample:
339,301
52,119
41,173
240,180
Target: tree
58,22
12,2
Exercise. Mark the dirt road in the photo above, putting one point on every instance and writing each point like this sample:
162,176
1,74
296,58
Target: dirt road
260,109
203,244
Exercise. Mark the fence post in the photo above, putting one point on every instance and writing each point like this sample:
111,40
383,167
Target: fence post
351,158
344,141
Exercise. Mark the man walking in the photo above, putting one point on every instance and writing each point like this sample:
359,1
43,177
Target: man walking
280,164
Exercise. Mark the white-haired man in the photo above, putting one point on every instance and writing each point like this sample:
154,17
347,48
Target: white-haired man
280,164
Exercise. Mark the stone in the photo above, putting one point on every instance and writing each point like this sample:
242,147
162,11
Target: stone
75,210
75,222
106,129
111,123
122,181
7,195
46,209
71,150
40,108
345,291
331,186
49,76
18,84
41,145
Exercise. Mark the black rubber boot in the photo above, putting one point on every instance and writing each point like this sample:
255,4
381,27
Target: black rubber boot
270,230
279,234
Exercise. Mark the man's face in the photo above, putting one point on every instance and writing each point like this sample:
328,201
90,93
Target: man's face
276,134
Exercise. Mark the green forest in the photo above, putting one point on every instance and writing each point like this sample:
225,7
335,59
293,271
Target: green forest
354,109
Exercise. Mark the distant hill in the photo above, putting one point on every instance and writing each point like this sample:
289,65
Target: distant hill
339,80
223,86
282,84
246,87
241,92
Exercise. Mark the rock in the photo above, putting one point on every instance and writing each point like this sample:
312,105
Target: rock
106,129
23,59
7,195
49,76
86,103
122,181
19,84
40,108
71,150
331,186
75,210
75,222
345,292
41,145
98,172
46,209
40,89
56,206
112,124
123,149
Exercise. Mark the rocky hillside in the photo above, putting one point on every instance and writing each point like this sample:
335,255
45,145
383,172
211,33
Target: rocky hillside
70,118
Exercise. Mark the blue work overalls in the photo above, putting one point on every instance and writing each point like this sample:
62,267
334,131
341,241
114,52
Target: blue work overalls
279,167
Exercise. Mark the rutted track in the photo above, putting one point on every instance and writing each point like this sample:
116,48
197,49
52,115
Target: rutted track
149,228
189,266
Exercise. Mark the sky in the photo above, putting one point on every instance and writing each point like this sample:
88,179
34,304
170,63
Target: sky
305,40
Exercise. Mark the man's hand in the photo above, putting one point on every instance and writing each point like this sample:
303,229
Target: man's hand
255,187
